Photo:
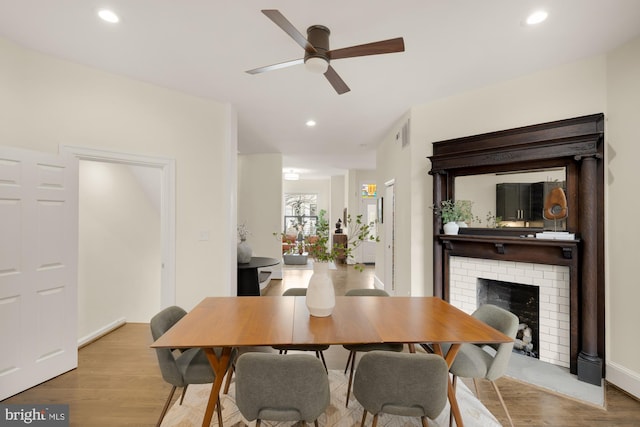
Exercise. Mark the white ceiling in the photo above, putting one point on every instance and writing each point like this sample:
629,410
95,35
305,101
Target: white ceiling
204,47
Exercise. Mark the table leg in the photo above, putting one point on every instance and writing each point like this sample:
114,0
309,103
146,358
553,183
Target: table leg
451,392
220,366
248,282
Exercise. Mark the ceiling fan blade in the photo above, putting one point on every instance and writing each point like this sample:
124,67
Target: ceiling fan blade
375,48
336,81
282,22
276,66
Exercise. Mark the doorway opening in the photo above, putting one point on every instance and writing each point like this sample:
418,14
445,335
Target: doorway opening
163,171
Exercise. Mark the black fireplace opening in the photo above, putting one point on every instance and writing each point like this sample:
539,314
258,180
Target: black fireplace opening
521,300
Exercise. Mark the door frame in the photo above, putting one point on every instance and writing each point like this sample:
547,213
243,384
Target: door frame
167,167
389,222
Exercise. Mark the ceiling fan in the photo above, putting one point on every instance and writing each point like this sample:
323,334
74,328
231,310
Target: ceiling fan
317,56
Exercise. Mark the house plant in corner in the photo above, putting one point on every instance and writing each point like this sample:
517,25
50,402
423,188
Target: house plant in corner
321,297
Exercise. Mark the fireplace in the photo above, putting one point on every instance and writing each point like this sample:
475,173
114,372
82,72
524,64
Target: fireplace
549,282
575,144
521,300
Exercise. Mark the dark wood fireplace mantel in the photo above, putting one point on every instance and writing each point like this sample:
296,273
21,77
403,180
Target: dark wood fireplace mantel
521,249
577,145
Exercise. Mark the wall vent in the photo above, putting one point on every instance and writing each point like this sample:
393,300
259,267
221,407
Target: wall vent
405,134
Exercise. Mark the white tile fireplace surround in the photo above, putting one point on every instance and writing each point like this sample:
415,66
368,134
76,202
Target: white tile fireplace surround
553,281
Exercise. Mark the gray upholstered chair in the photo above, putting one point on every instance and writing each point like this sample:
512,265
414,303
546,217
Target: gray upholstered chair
355,348
318,349
276,388
487,361
406,384
180,367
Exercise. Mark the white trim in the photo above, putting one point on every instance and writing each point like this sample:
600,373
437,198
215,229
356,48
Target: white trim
624,378
377,283
101,332
390,182
231,155
167,206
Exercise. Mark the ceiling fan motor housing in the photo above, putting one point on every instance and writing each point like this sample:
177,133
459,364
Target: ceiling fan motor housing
318,37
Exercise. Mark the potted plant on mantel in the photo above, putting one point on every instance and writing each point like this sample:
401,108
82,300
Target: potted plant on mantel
454,213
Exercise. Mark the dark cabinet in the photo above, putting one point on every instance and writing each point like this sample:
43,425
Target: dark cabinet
517,201
340,240
513,201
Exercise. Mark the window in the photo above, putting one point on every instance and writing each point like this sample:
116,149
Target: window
300,214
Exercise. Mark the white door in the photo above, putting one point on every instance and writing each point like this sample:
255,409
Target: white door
38,267
388,220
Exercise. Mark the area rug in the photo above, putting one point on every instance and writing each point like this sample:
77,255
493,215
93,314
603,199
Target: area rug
191,412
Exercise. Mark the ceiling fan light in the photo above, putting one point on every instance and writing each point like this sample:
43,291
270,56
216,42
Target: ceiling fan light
316,64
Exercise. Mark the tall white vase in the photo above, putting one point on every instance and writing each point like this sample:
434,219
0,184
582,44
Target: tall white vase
244,252
321,298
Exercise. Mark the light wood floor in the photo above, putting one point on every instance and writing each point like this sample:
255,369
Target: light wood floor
118,382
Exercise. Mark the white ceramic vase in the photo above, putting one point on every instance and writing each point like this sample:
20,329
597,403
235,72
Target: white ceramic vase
244,252
450,228
321,298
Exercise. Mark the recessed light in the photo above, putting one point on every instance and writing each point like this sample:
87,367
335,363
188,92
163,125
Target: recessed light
311,123
108,15
537,17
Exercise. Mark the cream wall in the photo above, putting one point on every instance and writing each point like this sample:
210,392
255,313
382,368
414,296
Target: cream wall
396,163
47,102
260,202
623,254
119,254
607,84
338,199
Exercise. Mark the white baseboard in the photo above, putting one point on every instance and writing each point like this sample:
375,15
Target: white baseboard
101,332
276,272
377,283
623,378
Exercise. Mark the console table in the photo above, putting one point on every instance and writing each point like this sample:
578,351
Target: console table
248,278
341,240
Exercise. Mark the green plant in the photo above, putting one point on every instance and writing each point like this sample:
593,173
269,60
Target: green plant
493,221
321,250
357,232
456,210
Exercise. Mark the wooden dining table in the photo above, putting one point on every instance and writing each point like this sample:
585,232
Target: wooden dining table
230,322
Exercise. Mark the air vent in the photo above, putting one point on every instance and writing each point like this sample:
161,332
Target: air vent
405,133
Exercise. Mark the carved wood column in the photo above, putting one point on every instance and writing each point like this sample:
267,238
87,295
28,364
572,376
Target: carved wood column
438,281
589,362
